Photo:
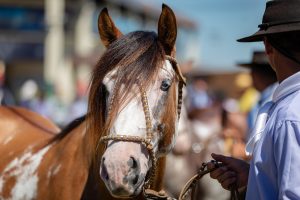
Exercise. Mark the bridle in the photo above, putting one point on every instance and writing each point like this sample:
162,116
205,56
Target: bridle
147,141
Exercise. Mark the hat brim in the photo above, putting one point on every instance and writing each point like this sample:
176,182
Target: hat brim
251,65
282,28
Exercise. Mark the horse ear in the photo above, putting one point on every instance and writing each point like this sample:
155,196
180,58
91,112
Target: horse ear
167,29
107,30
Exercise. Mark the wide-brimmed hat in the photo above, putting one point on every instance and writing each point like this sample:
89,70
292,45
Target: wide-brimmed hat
260,63
259,59
280,16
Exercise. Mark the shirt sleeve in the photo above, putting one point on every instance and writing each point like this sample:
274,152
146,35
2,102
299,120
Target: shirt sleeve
287,159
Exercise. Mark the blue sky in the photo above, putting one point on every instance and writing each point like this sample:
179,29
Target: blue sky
220,23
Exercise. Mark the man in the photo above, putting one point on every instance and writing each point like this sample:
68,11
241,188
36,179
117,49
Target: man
273,172
264,81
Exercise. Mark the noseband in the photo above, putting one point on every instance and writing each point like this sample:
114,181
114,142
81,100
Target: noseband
147,141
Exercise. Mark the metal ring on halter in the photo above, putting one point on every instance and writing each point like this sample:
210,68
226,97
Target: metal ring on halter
149,132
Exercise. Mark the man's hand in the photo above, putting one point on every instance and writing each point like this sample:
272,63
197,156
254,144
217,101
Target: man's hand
232,171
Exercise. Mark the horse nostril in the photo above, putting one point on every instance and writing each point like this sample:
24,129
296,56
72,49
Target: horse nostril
132,163
135,180
134,172
104,173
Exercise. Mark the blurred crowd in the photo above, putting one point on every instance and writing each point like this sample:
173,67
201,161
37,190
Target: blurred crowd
45,100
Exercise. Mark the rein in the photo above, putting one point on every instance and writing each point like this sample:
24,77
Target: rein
147,141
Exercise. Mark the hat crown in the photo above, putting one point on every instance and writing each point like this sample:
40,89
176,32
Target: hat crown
281,12
260,58
281,16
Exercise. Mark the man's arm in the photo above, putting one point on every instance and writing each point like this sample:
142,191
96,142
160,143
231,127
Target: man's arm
287,158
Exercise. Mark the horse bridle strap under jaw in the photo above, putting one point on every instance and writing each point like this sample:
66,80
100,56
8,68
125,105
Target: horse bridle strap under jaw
147,141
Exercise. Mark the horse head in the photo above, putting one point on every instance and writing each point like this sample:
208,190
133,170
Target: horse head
140,87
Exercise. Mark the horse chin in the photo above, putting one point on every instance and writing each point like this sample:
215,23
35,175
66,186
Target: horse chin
135,193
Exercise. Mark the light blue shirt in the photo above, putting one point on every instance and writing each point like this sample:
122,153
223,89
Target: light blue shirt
265,96
275,165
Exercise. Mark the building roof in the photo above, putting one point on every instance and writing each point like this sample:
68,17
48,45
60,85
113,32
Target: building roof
149,10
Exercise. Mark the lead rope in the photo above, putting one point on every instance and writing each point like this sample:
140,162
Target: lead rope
189,187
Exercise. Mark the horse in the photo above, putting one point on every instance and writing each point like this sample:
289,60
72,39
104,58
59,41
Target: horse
117,150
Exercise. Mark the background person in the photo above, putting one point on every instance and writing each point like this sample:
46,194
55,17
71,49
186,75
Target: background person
264,81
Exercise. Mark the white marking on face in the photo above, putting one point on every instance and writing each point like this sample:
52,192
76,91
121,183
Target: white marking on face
24,170
131,119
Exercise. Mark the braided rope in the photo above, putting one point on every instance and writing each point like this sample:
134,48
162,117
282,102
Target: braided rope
190,185
181,83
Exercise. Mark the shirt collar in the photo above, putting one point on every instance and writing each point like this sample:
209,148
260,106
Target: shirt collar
287,86
266,94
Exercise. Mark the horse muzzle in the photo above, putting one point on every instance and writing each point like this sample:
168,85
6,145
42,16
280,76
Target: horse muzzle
123,169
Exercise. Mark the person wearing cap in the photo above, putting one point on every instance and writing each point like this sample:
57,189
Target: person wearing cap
273,172
264,81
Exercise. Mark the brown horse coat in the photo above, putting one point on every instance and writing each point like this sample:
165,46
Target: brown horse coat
51,170
60,170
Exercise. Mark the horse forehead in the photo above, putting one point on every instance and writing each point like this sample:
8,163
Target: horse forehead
167,69
108,79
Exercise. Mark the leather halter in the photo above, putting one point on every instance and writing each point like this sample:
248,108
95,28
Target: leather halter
147,141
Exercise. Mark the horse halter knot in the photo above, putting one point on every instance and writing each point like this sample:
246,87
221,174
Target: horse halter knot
147,141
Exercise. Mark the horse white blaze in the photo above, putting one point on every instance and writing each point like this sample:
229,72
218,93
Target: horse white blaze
125,164
24,170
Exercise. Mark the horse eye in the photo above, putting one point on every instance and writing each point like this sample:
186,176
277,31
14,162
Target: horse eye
165,85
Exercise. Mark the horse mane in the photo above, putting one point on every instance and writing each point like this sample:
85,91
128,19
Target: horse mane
136,58
72,125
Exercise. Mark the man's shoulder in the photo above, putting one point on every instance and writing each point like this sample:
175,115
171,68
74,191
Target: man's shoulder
288,109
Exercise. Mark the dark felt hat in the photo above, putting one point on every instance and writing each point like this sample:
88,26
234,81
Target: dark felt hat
259,63
280,16
259,58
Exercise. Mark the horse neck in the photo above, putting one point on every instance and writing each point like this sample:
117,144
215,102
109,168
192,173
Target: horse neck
64,170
